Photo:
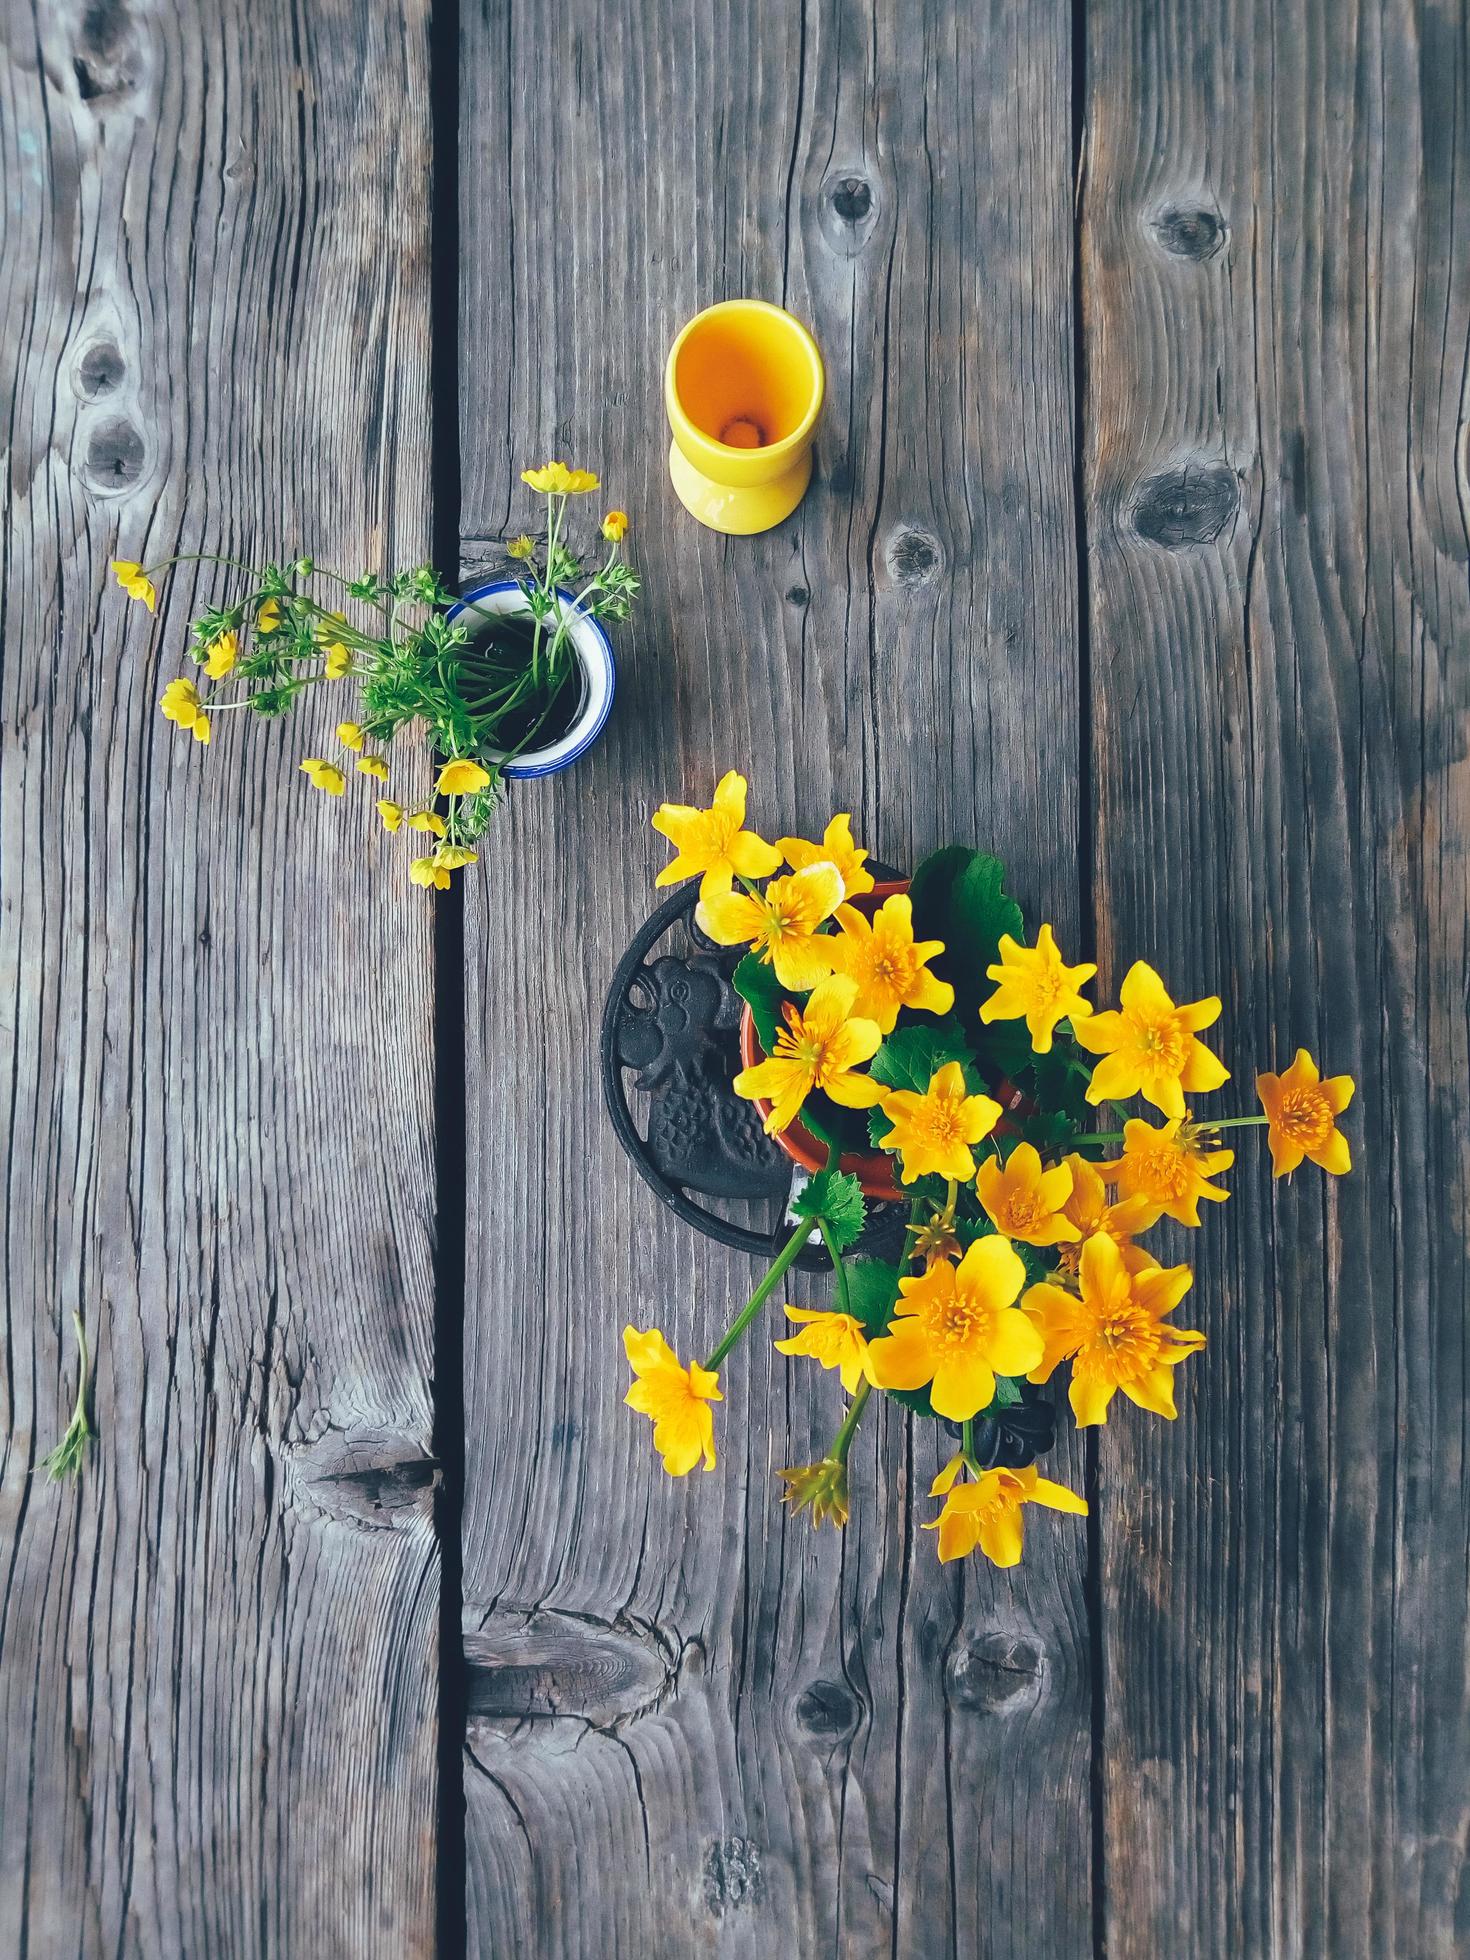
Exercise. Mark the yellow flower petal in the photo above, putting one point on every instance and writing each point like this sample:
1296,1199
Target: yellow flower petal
350,736
391,813
429,821
221,656
373,765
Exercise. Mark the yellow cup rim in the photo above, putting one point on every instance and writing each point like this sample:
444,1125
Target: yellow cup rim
679,418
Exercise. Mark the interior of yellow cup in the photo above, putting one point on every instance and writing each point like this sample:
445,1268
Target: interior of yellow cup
744,383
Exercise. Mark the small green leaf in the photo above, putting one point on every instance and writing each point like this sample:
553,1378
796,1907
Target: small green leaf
916,1399
1008,1395
872,1289
758,987
911,1055
836,1198
959,896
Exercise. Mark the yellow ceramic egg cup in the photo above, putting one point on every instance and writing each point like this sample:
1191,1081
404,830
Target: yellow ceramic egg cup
743,389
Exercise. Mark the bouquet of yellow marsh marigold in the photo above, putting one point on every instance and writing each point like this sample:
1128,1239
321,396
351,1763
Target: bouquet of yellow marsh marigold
938,1053
488,687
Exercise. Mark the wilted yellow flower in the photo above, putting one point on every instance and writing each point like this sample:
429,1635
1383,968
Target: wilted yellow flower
520,547
934,1132
819,1048
1033,985
462,778
429,821
1024,1201
836,1340
373,765
324,775
890,966
426,871
677,1398
1167,1168
1149,1048
780,924
1303,1112
451,856
180,703
269,617
350,736
1114,1335
615,525
956,1330
820,1488
130,578
391,813
837,847
714,844
558,478
988,1513
221,656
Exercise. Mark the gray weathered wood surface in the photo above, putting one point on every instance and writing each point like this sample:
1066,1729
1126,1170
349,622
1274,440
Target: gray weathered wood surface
218,1653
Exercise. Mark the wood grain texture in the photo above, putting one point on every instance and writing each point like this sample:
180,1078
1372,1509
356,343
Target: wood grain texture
695,1726
1276,277
218,1654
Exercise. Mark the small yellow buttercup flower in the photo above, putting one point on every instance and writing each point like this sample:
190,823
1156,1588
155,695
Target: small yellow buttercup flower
836,1340
462,778
426,871
890,966
373,765
615,526
350,736
221,655
676,1398
323,775
1303,1112
450,857
557,478
988,1513
180,703
429,821
338,662
1023,1200
820,1047
391,813
1114,1334
520,547
130,578
837,847
935,1132
1033,985
713,845
268,619
956,1330
1149,1046
781,925
820,1488
1167,1167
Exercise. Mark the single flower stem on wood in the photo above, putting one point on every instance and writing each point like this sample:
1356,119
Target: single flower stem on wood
66,1459
785,1259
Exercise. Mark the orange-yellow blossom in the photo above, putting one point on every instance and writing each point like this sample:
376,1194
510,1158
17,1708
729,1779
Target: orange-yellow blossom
676,1398
1149,1047
820,1047
781,925
1034,986
934,1132
889,965
1303,1112
1023,1200
955,1330
1114,1333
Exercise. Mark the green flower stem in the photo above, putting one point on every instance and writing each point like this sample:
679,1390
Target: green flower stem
785,1259
842,1441
1227,1122
967,1446
66,1459
839,1270
951,1199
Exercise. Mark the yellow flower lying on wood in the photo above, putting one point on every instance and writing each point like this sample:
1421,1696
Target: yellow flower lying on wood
934,1132
324,775
350,736
429,821
1149,1047
428,871
373,765
676,1398
557,479
781,925
462,778
820,1488
1302,1112
391,813
713,844
837,847
1114,1334
1024,1201
615,526
819,1048
988,1513
221,656
956,1330
1033,985
890,966
130,578
836,1340
180,703
1166,1167
1089,1210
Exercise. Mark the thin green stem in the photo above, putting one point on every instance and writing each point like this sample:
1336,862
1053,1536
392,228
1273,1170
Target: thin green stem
842,1441
785,1259
1229,1122
839,1270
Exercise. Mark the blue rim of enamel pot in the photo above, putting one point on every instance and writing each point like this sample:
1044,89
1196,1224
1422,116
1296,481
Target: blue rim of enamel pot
594,655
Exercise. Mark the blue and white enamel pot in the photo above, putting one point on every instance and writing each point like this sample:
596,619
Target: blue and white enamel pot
592,651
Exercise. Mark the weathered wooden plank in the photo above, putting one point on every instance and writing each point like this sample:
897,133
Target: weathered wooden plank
218,1655
1277,298
761,1742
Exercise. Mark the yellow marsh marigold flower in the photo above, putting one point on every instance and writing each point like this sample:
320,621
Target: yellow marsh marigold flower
324,775
426,871
1149,1048
350,736
818,1048
615,526
180,703
1024,1201
1114,1335
1089,1210
391,813
373,765
556,477
837,847
462,778
1302,1111
1033,985
890,966
676,1397
1166,1167
130,578
268,619
714,844
820,1488
781,925
988,1513
429,821
934,1132
956,1330
221,655
836,1340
